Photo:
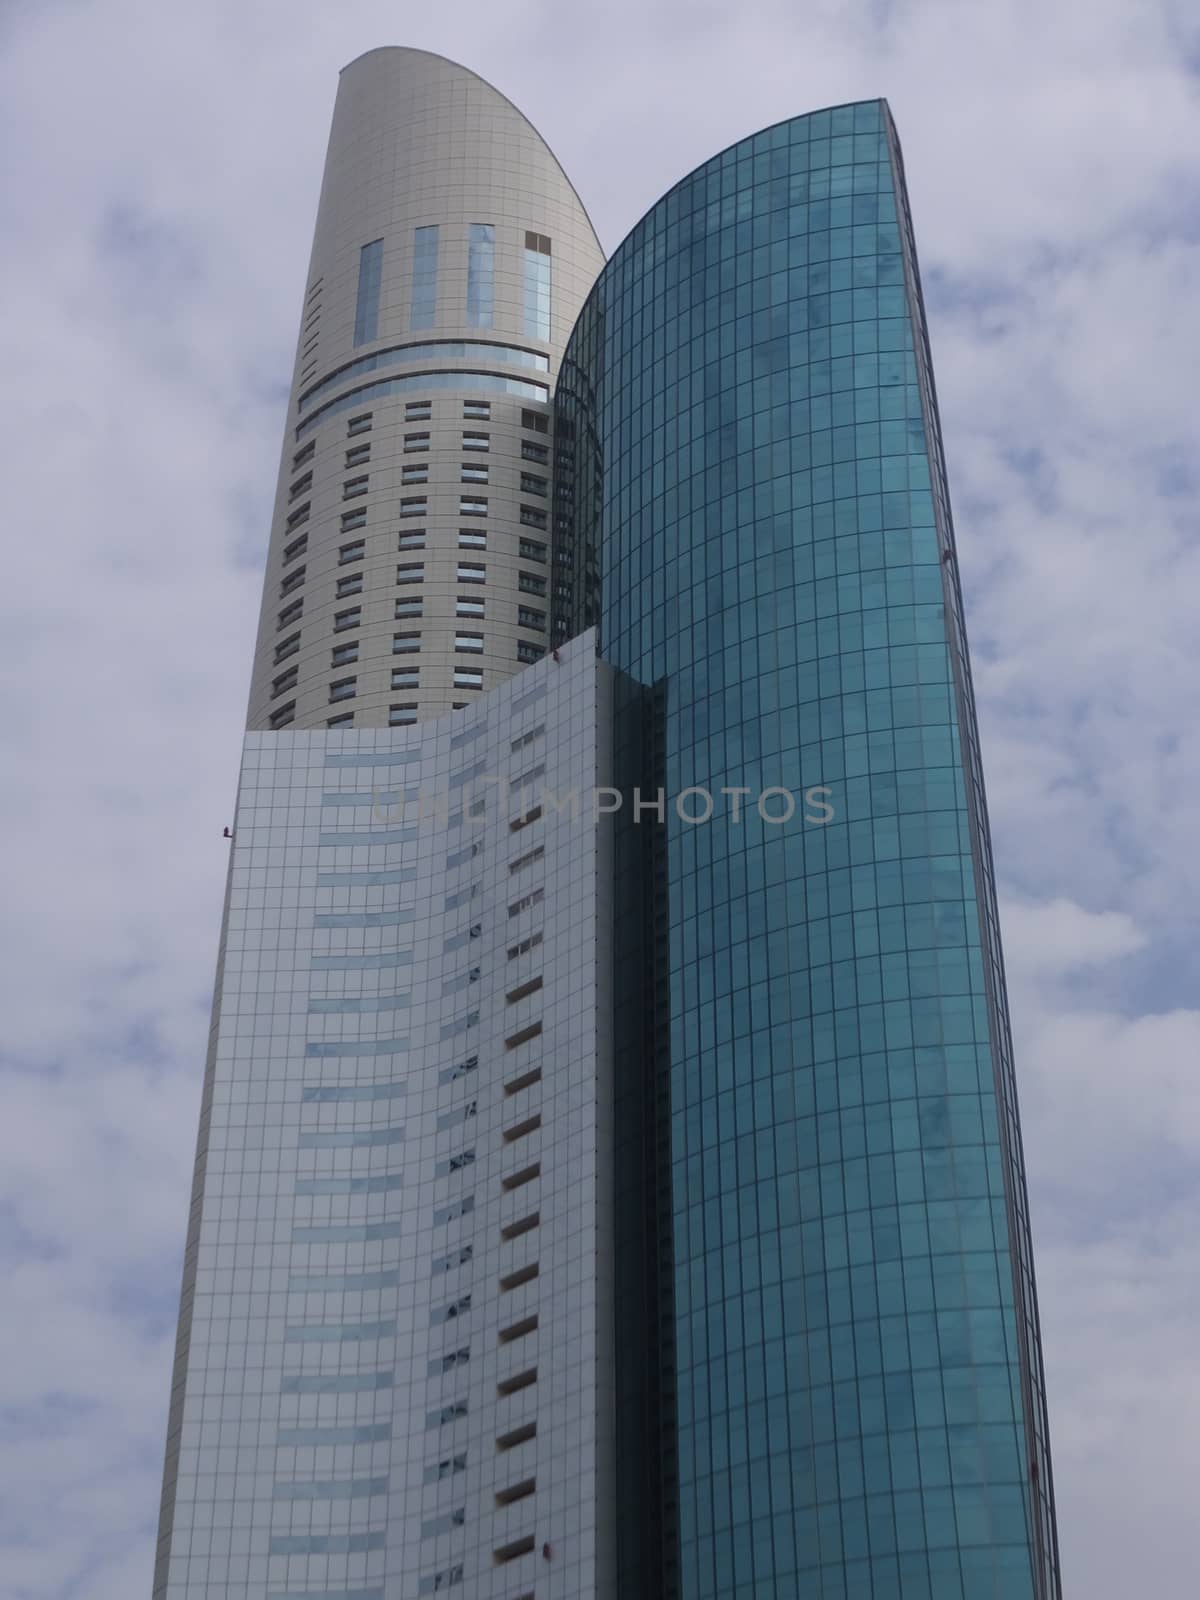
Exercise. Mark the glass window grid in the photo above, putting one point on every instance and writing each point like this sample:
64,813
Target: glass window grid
843,1301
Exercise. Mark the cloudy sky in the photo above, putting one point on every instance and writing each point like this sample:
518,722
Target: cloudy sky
158,196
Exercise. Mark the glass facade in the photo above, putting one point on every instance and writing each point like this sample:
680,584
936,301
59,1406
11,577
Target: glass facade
848,1398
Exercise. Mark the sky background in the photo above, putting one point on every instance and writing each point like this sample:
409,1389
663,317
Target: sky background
157,199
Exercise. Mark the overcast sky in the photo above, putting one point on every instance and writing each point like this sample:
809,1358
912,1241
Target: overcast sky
159,192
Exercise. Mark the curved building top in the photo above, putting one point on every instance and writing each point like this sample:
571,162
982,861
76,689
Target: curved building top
409,559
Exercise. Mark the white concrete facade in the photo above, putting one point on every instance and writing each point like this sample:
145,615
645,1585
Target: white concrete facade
418,143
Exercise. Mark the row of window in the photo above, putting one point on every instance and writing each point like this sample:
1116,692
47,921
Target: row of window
409,572
481,282
422,411
413,572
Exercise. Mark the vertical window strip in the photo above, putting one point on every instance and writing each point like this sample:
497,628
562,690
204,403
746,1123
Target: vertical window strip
481,264
370,279
536,299
423,310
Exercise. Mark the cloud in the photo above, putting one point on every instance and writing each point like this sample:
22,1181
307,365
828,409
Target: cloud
156,231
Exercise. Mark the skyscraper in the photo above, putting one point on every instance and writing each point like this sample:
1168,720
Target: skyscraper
609,1178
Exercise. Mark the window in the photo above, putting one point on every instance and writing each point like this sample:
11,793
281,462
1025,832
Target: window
527,652
535,420
343,689
296,548
405,643
472,506
528,858
287,647
353,487
471,572
481,256
468,641
444,1469
300,486
416,473
527,617
529,738
409,608
404,677
423,305
468,608
350,618
531,582
415,441
413,540
532,550
472,538
370,279
468,677
343,654
533,452
402,716
300,515
354,519
351,584
410,572
477,410
344,719
417,410
476,441
532,517
285,680
283,715
536,298
292,581
351,552
359,424
470,474
359,454
414,506
531,483
291,613
304,454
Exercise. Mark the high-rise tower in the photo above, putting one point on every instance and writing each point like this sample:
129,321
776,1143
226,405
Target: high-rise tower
609,1179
